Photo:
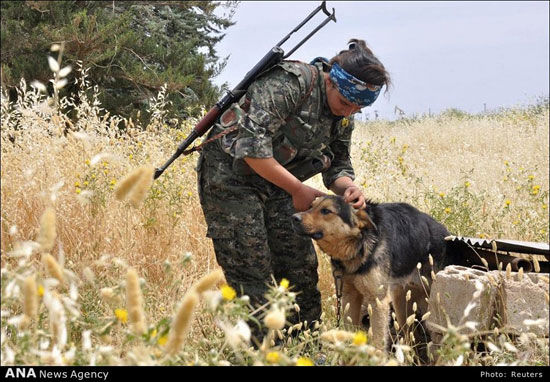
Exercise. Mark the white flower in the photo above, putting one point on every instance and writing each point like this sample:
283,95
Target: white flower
95,160
44,344
40,86
510,347
105,349
459,360
7,355
65,71
235,335
16,320
73,292
50,282
212,298
88,274
60,84
69,355
399,354
275,319
24,248
492,347
86,340
54,66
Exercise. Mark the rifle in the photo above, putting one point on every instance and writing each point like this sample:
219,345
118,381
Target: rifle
273,57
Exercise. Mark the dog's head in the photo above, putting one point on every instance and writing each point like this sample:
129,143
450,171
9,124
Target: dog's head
331,221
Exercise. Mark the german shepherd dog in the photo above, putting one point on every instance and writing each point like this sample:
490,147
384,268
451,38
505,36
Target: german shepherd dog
376,250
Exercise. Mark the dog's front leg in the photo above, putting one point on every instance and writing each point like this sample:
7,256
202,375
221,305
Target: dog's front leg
399,304
351,296
379,322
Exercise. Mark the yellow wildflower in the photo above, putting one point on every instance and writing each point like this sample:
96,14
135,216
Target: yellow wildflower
467,184
77,190
113,182
535,189
360,338
228,293
121,315
442,194
87,162
77,184
154,333
272,357
162,340
531,177
303,361
544,206
284,283
447,210
41,290
507,202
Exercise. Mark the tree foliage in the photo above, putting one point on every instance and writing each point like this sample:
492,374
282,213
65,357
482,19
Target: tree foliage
131,48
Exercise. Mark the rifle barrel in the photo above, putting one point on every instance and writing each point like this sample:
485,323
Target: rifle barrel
275,55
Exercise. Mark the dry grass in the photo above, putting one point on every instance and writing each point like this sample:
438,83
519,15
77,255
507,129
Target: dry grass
492,169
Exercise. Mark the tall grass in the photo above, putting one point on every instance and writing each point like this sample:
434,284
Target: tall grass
69,233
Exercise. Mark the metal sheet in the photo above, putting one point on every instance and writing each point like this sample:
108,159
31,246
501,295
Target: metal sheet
527,247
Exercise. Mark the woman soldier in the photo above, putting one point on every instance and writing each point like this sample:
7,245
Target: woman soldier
293,122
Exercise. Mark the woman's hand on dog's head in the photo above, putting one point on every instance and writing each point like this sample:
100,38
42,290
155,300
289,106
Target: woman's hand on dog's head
355,197
304,196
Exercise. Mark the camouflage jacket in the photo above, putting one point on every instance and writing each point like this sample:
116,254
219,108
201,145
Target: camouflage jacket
286,116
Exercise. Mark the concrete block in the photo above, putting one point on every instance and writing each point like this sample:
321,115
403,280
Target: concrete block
517,303
524,302
453,291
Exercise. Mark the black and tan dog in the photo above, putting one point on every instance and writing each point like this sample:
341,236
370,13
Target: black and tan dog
377,250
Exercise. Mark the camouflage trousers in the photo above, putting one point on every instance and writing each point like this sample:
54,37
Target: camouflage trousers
249,222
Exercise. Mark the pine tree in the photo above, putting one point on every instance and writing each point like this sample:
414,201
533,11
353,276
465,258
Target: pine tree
131,49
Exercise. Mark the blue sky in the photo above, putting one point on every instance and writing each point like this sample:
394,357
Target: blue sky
439,54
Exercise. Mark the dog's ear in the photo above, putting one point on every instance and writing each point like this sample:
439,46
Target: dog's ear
364,220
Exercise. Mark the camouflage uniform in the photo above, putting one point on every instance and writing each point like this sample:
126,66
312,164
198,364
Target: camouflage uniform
249,218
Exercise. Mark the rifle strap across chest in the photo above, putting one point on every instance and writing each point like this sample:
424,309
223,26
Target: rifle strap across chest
311,76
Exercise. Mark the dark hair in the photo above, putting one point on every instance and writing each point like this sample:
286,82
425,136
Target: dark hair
359,61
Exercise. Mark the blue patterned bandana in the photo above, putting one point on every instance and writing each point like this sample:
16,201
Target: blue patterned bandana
353,89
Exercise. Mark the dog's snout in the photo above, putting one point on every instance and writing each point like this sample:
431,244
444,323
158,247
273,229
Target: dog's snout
297,218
